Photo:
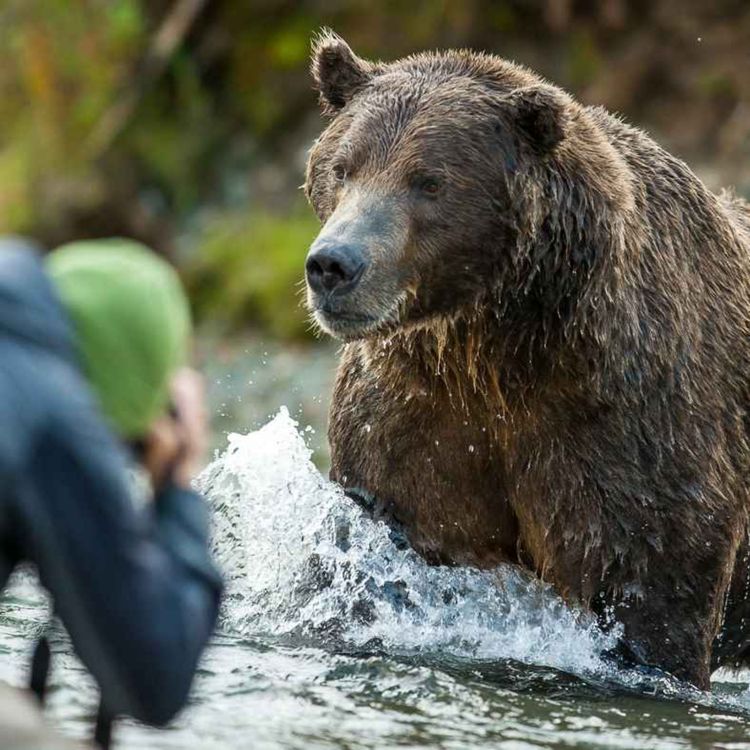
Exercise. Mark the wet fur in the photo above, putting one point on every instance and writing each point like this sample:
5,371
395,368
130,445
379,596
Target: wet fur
565,383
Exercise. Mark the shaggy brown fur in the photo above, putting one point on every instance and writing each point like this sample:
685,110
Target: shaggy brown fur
547,355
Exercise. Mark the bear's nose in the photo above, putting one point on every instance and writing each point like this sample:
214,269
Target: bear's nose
334,268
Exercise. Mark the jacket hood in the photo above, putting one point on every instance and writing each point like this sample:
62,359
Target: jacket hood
29,306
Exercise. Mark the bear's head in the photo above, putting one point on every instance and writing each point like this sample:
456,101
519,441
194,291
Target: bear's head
449,182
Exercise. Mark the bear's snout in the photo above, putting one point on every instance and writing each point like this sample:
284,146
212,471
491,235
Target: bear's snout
354,285
334,268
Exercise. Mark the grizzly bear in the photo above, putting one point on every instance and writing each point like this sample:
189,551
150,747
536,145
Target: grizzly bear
546,327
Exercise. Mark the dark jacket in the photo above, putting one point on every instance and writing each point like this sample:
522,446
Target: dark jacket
133,583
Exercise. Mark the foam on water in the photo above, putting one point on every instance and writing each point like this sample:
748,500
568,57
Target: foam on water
300,557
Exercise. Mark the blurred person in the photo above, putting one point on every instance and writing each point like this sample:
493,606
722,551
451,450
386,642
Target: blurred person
93,345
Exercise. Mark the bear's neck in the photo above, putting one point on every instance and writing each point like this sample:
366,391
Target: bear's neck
475,364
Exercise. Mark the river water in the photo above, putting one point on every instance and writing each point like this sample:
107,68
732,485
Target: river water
334,636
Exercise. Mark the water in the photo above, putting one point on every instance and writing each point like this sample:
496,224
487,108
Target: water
248,379
334,636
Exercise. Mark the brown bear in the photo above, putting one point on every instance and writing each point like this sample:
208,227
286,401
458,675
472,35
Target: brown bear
546,320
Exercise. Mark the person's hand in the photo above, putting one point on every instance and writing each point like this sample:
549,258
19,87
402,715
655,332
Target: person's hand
189,400
176,443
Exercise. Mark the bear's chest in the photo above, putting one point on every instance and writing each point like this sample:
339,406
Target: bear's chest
431,466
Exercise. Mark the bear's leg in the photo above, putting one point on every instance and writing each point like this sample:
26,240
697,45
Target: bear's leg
657,562
672,620
666,636
732,646
666,588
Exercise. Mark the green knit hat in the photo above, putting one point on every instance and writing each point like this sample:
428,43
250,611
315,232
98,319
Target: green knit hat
132,323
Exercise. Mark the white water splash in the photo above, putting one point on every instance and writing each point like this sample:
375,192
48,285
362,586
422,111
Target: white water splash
300,557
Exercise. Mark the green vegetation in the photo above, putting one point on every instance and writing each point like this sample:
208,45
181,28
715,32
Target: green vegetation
184,123
249,268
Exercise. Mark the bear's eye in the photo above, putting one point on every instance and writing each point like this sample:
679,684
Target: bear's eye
429,186
339,172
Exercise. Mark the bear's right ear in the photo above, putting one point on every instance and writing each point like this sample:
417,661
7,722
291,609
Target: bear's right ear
338,73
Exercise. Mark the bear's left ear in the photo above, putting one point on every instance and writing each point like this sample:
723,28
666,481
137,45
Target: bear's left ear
542,114
338,73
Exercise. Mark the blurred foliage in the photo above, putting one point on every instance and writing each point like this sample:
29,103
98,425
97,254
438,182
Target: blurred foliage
185,123
249,269
58,73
